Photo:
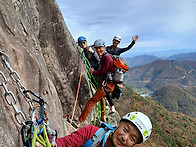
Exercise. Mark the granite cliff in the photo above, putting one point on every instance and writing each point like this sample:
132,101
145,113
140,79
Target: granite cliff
41,50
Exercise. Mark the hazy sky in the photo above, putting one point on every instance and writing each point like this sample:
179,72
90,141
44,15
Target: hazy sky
160,24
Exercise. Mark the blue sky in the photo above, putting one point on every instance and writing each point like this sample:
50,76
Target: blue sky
160,24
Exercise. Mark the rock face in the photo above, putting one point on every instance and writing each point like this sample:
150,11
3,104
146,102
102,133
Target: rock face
41,50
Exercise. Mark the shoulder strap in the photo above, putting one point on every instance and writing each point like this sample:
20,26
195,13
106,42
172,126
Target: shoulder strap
99,135
108,126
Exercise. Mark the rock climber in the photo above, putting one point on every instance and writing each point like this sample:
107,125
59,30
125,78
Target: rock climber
114,50
89,52
134,128
106,68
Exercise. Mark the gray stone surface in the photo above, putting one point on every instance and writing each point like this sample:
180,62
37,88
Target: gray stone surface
42,51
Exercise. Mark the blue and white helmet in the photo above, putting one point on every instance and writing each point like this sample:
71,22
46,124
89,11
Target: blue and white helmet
141,121
99,42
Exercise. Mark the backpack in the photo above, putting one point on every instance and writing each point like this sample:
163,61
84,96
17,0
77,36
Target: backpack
101,134
120,68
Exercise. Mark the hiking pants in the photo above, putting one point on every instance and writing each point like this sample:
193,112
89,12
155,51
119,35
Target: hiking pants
95,98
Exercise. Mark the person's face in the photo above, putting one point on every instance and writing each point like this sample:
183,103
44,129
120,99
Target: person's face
100,50
126,135
115,43
83,44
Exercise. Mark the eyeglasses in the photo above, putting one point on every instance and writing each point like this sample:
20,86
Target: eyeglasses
82,43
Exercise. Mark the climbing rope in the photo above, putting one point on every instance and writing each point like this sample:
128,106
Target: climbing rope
94,84
29,131
90,76
75,100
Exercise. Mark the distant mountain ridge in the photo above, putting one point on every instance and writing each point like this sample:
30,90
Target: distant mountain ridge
161,73
182,57
160,53
146,59
141,60
177,99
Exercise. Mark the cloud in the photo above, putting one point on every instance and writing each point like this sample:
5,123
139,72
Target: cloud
159,24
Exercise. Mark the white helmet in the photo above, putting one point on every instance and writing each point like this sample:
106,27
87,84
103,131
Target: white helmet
117,37
141,121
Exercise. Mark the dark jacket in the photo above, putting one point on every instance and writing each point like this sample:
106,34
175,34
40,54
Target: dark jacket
117,51
93,58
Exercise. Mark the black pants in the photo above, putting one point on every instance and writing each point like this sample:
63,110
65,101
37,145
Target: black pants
115,94
109,98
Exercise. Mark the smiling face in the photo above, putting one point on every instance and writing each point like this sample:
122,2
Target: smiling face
83,44
100,50
115,43
126,135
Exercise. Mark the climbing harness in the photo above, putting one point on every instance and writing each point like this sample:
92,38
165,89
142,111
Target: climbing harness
31,132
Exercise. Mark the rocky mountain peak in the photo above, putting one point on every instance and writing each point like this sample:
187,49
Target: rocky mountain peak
41,50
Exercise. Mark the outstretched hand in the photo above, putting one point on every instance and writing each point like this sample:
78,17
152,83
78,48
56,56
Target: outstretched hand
135,38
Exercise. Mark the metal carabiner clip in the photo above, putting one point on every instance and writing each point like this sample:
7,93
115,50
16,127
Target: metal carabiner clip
104,83
27,135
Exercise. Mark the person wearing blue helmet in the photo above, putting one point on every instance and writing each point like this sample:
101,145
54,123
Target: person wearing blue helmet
89,52
81,38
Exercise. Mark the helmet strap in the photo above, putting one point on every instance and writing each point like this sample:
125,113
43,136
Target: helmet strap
111,135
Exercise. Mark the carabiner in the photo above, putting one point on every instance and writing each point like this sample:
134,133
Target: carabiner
27,139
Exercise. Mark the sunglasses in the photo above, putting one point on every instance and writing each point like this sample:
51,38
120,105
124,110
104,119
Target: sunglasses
82,43
116,40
